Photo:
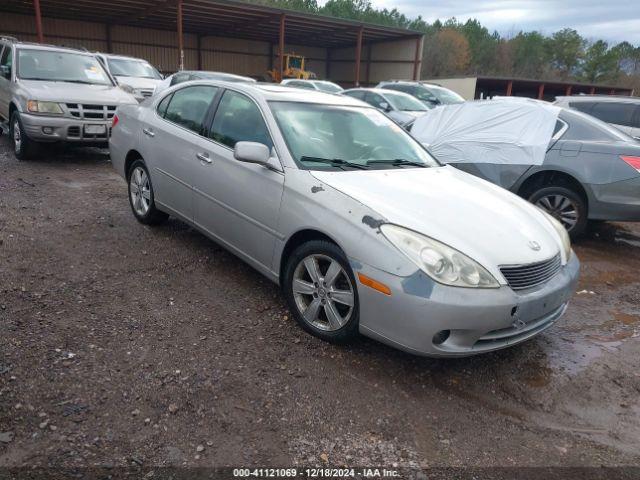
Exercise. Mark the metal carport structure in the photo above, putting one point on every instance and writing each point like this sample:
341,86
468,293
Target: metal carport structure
192,22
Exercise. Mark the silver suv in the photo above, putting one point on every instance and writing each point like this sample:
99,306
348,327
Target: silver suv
134,75
53,94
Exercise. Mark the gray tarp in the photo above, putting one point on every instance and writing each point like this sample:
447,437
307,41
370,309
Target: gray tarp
500,131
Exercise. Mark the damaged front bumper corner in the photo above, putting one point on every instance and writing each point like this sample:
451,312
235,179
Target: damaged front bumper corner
427,318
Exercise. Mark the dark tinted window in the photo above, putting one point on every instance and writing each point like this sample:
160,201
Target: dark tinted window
162,106
189,106
359,94
582,106
618,113
375,99
180,78
238,119
6,61
558,127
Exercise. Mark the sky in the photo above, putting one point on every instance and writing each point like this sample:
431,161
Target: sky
610,20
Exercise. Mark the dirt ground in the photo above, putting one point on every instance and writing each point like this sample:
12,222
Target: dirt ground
126,345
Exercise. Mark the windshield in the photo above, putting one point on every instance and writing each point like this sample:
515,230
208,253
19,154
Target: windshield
56,66
335,137
446,96
405,102
126,67
328,87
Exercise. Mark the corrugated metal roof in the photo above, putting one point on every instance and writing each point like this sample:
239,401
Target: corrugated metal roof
224,18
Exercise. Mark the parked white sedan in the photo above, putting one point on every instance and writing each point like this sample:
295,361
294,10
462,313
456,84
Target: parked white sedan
362,228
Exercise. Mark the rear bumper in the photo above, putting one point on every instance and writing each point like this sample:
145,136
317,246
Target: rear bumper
41,128
475,320
618,201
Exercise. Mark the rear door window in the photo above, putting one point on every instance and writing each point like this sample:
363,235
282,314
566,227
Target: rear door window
613,112
6,61
188,107
238,119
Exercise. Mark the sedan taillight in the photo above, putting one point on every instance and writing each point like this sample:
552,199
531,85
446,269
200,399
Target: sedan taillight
114,121
633,162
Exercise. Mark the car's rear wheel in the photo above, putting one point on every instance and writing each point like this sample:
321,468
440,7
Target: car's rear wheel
320,289
23,147
565,205
141,196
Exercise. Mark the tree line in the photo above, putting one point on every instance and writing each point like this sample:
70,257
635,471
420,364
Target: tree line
468,48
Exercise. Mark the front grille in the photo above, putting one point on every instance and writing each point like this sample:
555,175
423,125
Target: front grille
91,112
73,132
520,277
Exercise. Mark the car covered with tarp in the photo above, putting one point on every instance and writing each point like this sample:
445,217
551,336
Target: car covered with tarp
570,164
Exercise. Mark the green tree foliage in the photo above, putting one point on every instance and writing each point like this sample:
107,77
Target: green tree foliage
455,48
567,51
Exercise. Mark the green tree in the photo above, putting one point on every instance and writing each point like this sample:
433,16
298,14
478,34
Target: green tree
600,63
531,55
567,50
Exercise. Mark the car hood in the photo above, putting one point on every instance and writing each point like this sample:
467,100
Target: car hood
64,92
481,220
139,82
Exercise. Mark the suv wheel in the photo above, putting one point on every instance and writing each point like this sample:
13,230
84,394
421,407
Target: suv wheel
23,147
321,292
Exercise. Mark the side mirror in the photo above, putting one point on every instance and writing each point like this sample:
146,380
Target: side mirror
385,106
5,70
252,152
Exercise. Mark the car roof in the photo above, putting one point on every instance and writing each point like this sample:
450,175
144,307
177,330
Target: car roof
53,48
599,98
277,92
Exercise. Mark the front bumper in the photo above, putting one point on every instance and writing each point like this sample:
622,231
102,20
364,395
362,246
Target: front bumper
474,320
41,128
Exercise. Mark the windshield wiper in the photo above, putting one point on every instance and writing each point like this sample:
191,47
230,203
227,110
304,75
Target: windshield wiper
399,162
84,82
334,162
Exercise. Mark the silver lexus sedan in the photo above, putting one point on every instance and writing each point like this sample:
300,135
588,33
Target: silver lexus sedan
363,230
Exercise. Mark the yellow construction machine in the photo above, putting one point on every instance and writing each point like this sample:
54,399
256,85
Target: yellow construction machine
293,68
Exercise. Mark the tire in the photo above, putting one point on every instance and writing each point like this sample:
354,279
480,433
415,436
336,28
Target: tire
23,147
141,198
335,321
566,205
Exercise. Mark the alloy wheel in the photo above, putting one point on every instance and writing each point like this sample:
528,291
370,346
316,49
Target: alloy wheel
17,137
561,208
323,292
140,191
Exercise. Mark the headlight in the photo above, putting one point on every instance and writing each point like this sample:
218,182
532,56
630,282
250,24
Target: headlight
128,88
51,108
441,262
564,235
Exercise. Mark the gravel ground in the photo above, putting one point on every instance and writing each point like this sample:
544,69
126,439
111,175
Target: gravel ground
128,345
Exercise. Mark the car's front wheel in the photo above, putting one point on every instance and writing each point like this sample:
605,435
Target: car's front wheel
23,147
565,205
141,196
320,289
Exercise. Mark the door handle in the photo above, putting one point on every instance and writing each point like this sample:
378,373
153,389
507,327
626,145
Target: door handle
149,132
203,157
